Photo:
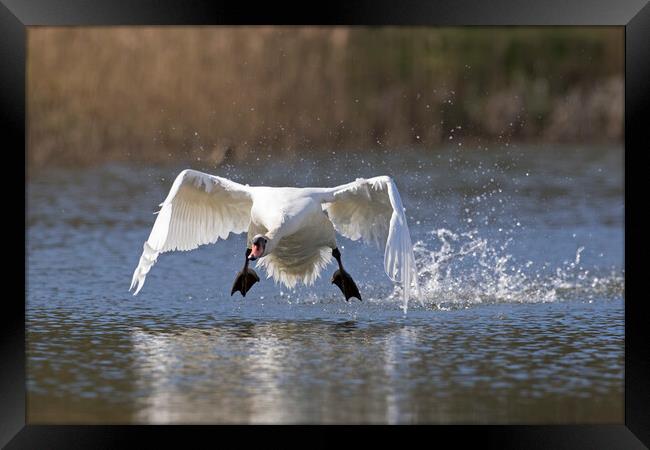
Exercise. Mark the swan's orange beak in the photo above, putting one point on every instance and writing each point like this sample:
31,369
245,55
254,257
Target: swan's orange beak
257,251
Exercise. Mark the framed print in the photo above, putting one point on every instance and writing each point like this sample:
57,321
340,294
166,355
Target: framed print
341,214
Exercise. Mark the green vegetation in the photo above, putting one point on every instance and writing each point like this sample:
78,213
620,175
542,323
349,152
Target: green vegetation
162,93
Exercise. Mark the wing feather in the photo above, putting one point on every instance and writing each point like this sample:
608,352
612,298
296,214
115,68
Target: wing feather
199,209
371,210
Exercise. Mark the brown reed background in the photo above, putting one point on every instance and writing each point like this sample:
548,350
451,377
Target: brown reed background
163,94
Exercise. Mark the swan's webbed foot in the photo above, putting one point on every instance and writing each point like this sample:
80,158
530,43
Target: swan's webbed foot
343,279
347,285
245,280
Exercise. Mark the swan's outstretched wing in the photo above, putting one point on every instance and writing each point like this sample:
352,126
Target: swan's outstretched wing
371,209
199,209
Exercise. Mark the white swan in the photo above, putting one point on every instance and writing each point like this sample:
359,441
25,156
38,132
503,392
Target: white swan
290,230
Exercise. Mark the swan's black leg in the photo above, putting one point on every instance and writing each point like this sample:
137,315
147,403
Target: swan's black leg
343,279
246,278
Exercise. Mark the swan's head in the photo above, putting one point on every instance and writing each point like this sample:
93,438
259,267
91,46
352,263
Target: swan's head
259,247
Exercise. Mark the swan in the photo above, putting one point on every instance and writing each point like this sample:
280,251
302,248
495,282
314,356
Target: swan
291,231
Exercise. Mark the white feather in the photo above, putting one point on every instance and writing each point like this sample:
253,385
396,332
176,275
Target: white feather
199,209
302,255
371,210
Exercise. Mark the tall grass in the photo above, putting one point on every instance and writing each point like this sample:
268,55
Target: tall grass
163,93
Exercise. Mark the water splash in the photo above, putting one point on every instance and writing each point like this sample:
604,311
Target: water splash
467,269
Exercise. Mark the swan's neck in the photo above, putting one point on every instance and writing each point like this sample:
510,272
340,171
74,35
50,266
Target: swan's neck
273,237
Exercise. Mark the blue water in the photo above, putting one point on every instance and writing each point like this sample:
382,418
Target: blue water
520,256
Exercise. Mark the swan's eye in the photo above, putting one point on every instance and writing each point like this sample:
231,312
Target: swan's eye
260,241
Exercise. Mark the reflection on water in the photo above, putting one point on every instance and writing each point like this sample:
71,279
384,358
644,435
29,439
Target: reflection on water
520,259
495,364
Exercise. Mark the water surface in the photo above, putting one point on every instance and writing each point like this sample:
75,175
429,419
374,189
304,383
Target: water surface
520,254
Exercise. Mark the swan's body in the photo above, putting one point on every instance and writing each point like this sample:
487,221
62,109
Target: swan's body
298,225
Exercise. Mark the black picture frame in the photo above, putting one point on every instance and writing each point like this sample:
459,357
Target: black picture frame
634,15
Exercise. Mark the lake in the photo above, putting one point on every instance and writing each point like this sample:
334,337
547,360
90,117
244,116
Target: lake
521,320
